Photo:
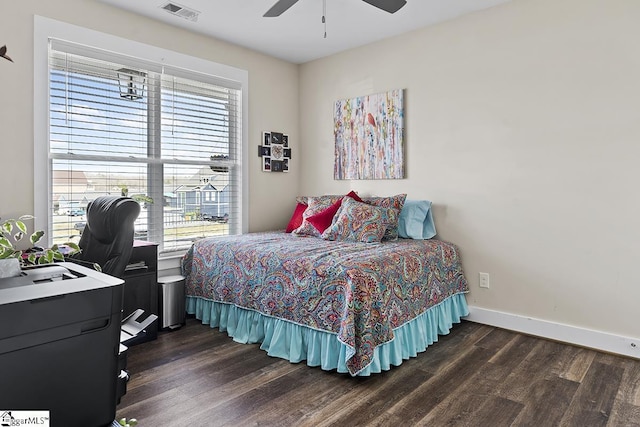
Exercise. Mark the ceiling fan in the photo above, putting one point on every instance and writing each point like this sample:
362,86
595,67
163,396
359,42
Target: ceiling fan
391,6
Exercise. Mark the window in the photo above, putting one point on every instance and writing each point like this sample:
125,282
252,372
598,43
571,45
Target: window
119,124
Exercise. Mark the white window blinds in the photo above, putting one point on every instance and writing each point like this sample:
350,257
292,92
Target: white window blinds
169,138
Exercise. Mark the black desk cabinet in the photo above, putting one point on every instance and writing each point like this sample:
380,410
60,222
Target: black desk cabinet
141,286
59,346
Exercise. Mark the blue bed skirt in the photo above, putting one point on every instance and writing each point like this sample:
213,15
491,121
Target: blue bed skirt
295,343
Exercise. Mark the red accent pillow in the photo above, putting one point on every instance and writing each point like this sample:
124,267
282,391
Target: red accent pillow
321,221
296,218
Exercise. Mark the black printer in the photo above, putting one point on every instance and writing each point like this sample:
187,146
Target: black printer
60,345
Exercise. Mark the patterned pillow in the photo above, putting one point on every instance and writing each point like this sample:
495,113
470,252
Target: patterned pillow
360,222
395,202
302,199
305,199
314,205
321,221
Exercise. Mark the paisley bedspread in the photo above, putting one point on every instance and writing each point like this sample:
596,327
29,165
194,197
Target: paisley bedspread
359,291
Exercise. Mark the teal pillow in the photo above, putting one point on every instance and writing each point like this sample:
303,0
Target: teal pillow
416,220
360,222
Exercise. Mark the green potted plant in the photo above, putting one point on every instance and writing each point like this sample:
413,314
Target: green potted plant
12,233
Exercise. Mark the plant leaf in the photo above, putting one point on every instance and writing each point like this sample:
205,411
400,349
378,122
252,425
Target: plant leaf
48,255
73,246
21,226
4,242
7,226
58,256
18,236
32,258
36,236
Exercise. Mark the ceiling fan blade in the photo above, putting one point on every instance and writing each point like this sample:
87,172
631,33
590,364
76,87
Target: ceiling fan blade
391,6
279,8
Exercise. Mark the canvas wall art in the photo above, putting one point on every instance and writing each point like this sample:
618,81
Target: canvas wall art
369,136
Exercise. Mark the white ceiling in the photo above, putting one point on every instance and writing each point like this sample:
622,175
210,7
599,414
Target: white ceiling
298,34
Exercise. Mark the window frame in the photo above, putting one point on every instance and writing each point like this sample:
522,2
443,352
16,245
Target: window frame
46,29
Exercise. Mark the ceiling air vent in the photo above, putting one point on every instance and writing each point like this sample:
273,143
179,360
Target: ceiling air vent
181,11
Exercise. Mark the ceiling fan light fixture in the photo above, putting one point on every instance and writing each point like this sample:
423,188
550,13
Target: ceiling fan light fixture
324,17
281,6
391,6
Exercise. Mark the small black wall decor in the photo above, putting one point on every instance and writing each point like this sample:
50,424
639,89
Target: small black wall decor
275,152
3,53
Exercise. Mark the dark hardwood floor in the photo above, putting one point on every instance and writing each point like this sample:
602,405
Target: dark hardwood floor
475,376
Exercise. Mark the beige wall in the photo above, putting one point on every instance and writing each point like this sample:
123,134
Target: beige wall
523,128
270,203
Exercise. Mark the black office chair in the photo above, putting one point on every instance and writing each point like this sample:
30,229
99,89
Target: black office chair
107,238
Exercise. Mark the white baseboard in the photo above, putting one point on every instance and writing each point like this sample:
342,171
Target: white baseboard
598,340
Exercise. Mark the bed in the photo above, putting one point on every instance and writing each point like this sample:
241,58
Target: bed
358,308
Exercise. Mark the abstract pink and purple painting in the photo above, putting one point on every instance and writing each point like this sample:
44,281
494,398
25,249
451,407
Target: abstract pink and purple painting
369,136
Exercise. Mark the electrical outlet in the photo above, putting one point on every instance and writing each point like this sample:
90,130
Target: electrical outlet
483,280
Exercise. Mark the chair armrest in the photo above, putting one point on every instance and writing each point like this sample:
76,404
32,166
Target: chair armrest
88,264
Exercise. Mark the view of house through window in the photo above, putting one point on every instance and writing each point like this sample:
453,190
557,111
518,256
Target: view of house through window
168,140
